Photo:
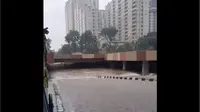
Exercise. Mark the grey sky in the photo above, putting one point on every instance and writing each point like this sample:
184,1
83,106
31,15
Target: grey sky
54,19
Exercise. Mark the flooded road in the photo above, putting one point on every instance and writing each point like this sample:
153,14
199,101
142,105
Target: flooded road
81,91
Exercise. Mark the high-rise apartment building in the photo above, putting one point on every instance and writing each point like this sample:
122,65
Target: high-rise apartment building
82,15
69,15
153,16
130,17
102,19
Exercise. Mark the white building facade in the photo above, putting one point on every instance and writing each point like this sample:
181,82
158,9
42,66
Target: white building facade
130,17
82,15
153,16
69,15
102,19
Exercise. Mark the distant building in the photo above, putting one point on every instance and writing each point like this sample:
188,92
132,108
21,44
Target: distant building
82,15
102,19
130,17
69,15
101,25
153,16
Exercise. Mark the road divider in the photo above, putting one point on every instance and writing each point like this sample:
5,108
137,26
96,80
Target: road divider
141,78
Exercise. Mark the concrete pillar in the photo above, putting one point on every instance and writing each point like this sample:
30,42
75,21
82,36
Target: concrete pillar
124,65
145,68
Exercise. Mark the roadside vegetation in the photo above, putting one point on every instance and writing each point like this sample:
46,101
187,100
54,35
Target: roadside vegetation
106,42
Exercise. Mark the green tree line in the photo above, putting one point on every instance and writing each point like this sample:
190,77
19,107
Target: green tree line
89,43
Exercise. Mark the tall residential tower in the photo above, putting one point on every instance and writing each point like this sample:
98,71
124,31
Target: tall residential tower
153,16
130,17
82,15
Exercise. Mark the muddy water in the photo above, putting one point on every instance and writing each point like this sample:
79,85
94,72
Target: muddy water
95,72
81,91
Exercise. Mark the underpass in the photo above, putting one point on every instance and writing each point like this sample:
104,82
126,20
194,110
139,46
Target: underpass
113,82
143,62
81,90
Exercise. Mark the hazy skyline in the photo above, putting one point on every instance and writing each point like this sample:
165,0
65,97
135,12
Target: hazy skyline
54,19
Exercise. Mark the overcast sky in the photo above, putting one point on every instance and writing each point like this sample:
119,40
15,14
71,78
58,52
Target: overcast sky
54,19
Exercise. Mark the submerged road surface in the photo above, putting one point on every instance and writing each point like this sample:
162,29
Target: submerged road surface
81,91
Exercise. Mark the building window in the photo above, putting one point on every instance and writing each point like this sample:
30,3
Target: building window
134,6
126,21
133,10
133,26
125,7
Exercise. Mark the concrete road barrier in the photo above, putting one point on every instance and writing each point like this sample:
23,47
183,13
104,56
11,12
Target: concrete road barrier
141,78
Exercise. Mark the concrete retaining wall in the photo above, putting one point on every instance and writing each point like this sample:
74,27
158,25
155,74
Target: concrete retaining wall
132,56
86,56
121,56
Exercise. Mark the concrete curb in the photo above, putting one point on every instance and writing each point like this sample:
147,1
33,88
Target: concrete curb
51,91
128,78
59,104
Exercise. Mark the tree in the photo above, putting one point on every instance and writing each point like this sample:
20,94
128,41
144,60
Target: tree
128,47
148,42
72,38
66,49
88,43
45,32
48,44
109,34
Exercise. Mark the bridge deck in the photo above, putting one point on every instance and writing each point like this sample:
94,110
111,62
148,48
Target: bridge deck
120,56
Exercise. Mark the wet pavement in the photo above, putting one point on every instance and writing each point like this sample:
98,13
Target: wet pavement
82,91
